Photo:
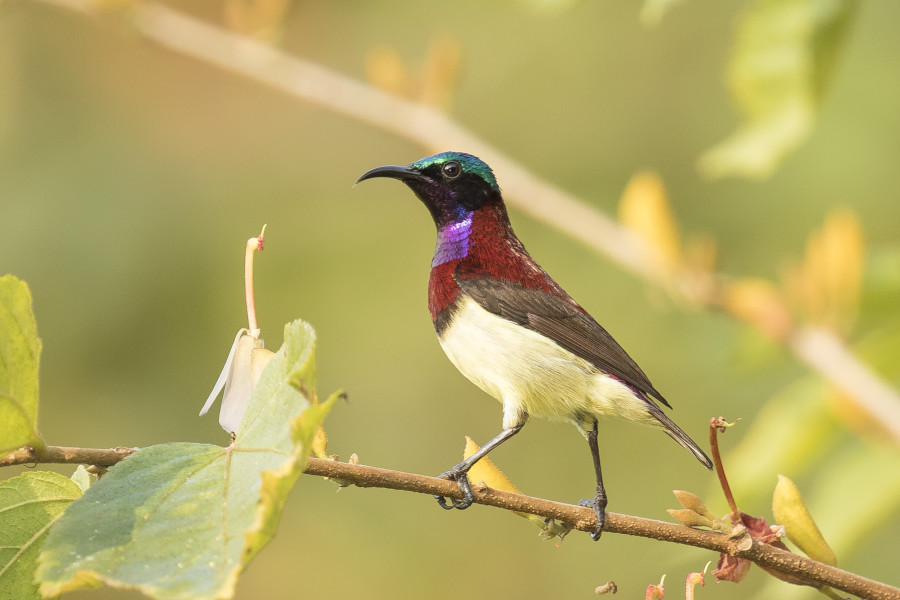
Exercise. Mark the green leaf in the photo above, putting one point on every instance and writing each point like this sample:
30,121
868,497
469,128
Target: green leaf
20,352
29,505
782,62
182,520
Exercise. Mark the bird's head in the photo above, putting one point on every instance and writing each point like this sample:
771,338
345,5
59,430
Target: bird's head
450,184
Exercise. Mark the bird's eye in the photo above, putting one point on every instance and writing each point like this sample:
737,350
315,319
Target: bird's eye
451,170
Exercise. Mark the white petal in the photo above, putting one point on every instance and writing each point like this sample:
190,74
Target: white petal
223,376
240,383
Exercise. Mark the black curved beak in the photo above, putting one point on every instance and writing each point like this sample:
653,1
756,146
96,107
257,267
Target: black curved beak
393,171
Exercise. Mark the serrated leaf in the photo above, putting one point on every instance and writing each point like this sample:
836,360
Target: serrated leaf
20,352
783,57
181,520
29,505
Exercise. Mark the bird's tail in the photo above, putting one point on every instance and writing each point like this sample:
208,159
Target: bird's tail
677,434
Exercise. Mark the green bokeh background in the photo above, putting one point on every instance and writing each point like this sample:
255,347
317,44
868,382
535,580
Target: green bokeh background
130,178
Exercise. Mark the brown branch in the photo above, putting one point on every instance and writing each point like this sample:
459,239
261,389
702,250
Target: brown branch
101,457
434,130
581,518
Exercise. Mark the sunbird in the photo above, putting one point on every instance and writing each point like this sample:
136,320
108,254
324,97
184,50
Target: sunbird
512,330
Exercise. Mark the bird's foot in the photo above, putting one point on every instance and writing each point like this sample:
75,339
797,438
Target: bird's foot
457,474
600,511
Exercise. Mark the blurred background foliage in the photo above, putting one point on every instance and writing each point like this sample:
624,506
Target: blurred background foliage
131,176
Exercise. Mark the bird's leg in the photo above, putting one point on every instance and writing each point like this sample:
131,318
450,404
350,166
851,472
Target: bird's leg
458,472
599,501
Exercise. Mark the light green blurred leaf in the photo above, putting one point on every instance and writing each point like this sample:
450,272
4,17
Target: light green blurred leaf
809,432
29,505
182,520
550,7
788,434
783,59
846,516
803,422
20,353
881,291
653,11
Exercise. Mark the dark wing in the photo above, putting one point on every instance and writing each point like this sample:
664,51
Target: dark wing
561,320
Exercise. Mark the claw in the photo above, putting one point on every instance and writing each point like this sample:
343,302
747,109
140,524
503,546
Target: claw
599,511
462,480
458,472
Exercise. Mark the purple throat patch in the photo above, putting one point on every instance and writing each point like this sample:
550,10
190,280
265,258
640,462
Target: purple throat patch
453,241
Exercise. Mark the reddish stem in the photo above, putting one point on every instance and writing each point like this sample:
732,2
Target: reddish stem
719,425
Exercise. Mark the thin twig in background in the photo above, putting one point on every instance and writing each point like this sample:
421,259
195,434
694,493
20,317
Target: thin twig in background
580,517
821,350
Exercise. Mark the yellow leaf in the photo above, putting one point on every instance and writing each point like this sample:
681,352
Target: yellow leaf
440,71
790,511
758,302
433,84
486,471
261,19
800,291
701,253
645,209
825,288
320,444
843,250
385,70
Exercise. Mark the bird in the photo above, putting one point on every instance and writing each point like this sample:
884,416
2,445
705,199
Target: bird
512,330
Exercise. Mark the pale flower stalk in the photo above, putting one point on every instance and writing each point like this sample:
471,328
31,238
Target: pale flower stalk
246,359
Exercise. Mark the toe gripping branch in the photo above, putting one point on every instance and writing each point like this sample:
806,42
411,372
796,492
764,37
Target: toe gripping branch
598,504
459,472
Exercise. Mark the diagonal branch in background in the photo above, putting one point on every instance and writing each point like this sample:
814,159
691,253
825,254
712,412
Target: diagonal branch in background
821,350
581,518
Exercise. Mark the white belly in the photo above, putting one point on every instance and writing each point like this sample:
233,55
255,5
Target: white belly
532,375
